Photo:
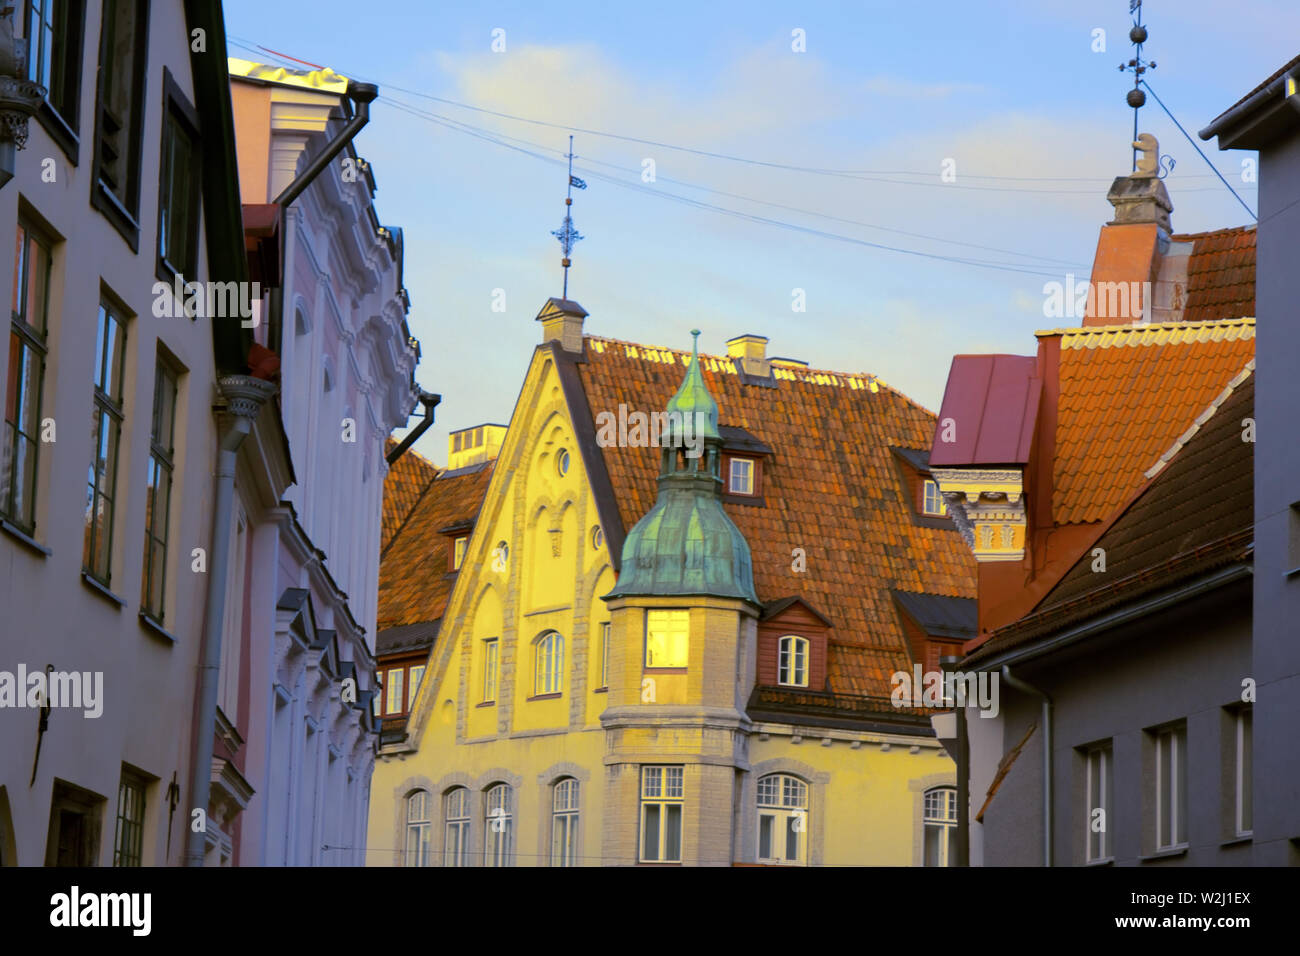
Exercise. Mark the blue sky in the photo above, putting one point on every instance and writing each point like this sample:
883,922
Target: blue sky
886,91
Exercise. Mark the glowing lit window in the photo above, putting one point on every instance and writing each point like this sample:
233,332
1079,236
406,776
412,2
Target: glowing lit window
667,638
792,661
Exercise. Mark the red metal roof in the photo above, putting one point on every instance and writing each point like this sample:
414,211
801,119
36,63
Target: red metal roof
992,401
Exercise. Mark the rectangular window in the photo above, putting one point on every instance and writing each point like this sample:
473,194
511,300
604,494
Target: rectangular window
1099,787
28,326
458,552
1245,770
106,433
1171,788
667,638
604,654
128,841
178,191
741,478
490,670
377,702
417,675
54,53
119,113
934,503
662,792
393,697
159,494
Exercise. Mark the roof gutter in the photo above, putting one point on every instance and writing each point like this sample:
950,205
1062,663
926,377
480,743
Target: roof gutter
362,94
1126,615
1020,685
430,401
1245,109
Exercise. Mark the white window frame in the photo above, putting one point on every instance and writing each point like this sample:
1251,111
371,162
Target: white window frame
1175,814
413,681
491,653
604,654
945,825
419,829
662,788
459,545
498,804
455,848
782,799
674,624
548,671
790,650
746,476
1098,786
565,814
393,696
942,505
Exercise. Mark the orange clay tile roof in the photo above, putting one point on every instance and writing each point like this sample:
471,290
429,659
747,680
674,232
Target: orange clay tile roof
832,488
414,583
406,482
1220,274
1127,393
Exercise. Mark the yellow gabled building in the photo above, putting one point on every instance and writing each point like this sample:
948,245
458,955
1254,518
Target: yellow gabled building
676,655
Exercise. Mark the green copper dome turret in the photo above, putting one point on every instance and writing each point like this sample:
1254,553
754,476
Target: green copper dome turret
687,544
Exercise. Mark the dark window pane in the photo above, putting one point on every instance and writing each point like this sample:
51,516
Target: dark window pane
650,838
765,837
672,832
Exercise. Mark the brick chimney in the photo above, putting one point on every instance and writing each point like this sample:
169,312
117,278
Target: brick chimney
752,352
1131,246
562,322
469,446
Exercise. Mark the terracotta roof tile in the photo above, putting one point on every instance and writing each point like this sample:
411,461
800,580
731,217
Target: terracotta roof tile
1220,274
1195,514
831,488
407,480
414,583
1126,393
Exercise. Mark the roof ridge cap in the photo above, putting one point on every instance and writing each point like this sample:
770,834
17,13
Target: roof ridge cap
1206,414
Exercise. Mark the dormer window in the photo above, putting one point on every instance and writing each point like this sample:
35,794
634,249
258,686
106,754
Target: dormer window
458,546
932,501
740,478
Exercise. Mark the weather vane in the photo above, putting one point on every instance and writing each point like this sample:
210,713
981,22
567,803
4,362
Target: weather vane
1136,97
568,233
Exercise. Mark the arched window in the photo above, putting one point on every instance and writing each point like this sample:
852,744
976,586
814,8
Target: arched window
782,819
940,826
564,823
456,814
418,829
550,664
792,661
498,826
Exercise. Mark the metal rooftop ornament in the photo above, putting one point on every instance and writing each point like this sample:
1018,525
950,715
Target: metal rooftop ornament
568,233
1136,98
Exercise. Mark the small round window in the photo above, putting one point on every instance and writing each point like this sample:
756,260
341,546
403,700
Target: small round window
597,537
562,461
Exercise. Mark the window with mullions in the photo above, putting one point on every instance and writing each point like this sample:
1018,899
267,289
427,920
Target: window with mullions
106,433
934,503
393,695
498,825
667,638
940,826
490,648
54,29
564,823
178,191
792,661
123,39
1099,785
128,840
782,819
159,495
456,839
549,665
419,830
1171,787
28,327
662,794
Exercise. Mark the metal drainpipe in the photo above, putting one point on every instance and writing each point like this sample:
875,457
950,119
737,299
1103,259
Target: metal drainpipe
362,94
246,396
1020,685
430,401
